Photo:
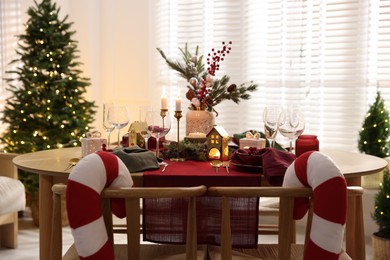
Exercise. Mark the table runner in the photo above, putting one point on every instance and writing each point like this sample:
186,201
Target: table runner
164,220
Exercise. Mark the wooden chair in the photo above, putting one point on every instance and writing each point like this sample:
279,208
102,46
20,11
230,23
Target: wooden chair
132,198
13,199
286,248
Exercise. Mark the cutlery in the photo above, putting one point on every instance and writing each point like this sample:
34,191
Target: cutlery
164,164
225,164
72,162
216,164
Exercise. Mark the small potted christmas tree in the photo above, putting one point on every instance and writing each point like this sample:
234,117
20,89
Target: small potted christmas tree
381,215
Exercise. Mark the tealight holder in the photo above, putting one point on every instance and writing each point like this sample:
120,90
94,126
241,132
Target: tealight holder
178,115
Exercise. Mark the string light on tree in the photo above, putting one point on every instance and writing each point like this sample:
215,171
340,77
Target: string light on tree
374,136
47,72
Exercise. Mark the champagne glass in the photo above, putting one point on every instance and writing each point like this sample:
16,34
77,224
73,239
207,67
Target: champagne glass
157,126
270,118
118,116
143,126
108,127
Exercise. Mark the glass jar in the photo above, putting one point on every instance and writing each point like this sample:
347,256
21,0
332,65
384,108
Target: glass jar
306,143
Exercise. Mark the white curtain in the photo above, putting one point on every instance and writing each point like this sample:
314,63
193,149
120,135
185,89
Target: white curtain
328,56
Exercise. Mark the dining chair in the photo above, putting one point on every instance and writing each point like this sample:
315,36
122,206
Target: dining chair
312,181
132,197
98,186
285,248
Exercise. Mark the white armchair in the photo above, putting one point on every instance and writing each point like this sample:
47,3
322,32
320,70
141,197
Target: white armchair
12,200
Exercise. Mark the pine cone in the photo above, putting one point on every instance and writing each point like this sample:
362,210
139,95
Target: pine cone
232,88
190,94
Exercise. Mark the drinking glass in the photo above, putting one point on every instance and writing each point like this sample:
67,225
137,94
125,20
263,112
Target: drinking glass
143,126
108,127
118,116
157,126
291,124
270,118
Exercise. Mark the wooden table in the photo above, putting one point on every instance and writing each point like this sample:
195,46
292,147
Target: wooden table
51,165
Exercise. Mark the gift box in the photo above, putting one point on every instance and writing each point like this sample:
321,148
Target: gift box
252,142
91,145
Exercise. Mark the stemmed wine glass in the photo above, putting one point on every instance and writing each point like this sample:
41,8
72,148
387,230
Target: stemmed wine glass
270,118
118,116
157,126
143,126
291,123
108,127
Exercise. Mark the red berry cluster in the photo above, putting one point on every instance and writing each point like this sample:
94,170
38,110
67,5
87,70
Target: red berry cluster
216,56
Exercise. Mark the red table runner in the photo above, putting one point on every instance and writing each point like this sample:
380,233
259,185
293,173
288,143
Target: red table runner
164,220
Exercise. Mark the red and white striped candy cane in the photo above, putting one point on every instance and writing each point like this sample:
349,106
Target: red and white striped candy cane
89,177
318,171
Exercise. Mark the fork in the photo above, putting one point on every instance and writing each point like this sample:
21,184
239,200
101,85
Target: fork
225,164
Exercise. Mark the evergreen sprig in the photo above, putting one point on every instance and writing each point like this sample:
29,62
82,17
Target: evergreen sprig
209,92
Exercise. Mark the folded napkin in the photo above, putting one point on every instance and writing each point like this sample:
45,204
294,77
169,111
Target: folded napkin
137,159
274,162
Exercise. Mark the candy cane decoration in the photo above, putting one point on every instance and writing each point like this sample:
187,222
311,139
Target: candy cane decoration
318,171
89,177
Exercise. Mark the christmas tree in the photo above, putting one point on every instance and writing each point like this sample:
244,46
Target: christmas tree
374,135
47,109
382,206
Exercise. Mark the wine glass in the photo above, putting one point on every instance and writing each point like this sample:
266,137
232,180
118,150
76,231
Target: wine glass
108,127
143,126
291,124
118,116
157,126
270,118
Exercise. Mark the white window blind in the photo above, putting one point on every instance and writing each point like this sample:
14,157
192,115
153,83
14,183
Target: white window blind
327,56
10,25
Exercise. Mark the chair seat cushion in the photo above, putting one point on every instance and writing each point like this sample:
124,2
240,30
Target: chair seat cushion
12,195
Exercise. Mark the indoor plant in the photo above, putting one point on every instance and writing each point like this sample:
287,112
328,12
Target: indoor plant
205,91
381,215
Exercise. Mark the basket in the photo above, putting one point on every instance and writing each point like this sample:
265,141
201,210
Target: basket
381,248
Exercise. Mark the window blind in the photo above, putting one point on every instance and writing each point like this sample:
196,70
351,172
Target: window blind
10,23
327,56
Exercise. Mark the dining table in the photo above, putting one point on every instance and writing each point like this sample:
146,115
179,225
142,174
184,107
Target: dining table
52,166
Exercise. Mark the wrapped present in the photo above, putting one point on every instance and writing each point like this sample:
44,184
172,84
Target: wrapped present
92,143
252,140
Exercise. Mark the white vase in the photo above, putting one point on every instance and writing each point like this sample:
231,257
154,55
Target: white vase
199,121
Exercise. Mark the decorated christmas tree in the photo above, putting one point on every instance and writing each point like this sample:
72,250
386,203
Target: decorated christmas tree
48,108
374,135
382,206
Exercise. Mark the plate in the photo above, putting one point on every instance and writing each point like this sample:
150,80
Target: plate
247,167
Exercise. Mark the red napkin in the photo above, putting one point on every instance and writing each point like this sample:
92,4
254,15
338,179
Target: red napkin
274,162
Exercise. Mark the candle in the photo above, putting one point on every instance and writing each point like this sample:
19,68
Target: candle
178,103
164,100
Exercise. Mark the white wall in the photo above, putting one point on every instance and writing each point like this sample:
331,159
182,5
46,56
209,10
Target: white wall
113,43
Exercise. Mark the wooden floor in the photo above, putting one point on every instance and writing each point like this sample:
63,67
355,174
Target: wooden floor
28,248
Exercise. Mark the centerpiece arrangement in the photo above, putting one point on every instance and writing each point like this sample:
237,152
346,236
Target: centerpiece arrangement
205,91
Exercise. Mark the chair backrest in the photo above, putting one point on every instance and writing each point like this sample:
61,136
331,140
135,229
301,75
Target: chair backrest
286,197
132,198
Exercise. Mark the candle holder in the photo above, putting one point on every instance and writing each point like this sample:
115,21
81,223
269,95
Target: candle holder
178,115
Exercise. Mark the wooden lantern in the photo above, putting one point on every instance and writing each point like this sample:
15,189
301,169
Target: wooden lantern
217,144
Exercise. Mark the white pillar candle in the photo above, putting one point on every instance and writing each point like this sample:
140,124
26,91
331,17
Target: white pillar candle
164,103
178,103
